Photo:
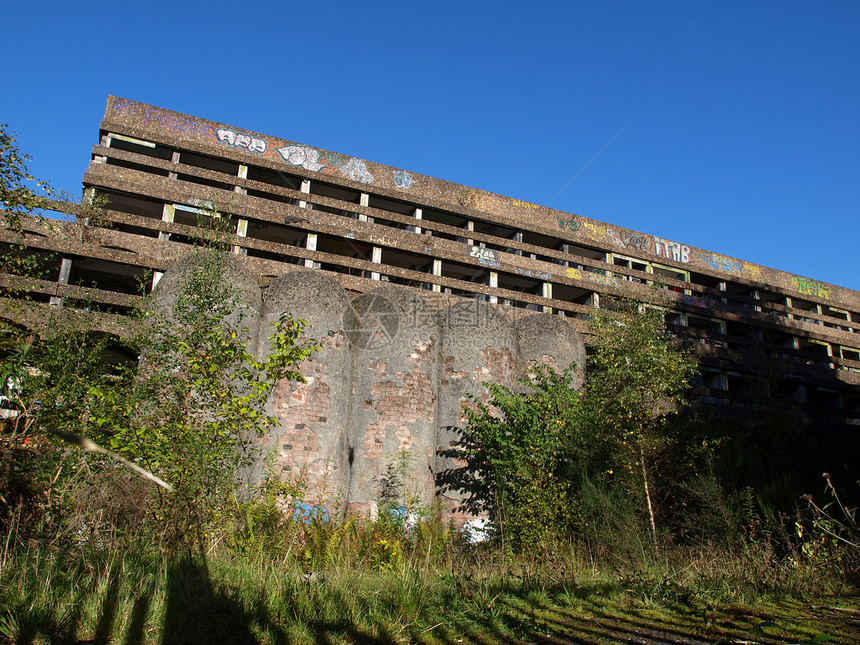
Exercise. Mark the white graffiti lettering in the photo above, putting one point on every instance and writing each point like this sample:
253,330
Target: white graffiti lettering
241,140
304,156
671,250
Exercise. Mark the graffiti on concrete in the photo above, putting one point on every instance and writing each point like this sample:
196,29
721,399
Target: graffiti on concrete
312,159
356,170
487,257
754,272
402,179
692,300
722,263
607,281
307,513
158,118
533,274
241,140
572,224
633,240
303,156
594,230
671,250
124,106
811,287
522,204
573,274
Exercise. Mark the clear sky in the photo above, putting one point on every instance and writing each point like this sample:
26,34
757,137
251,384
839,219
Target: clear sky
738,121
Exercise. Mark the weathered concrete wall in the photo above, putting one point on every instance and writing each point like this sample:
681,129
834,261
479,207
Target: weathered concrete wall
311,442
383,406
395,387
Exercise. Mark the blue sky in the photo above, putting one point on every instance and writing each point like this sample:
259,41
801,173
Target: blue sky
738,121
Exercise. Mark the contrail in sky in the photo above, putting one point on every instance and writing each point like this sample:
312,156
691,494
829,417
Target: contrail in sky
590,161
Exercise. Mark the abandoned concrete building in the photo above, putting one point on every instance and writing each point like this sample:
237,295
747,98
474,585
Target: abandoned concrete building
463,286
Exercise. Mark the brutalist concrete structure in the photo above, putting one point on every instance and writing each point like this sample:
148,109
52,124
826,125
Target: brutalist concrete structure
462,286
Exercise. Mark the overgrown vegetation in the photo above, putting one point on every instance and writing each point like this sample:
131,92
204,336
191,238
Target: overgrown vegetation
618,510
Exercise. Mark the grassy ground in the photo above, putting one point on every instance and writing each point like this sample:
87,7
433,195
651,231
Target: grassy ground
122,597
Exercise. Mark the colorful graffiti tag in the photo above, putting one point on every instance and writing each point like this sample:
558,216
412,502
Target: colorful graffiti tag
241,140
572,224
124,106
533,274
307,513
312,159
402,179
633,240
522,204
487,257
811,287
158,118
302,156
671,250
606,281
594,230
573,274
692,300
722,263
357,170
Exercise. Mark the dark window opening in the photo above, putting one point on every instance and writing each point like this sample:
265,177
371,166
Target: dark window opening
202,181
273,177
440,217
335,192
158,151
132,204
208,162
110,161
109,276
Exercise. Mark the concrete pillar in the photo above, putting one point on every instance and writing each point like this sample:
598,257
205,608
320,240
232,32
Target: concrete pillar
364,200
479,344
65,271
547,293
395,384
376,258
310,245
310,442
437,270
552,341
168,212
305,188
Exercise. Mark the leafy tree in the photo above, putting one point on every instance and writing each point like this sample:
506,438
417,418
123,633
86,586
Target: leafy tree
515,450
17,197
197,407
636,380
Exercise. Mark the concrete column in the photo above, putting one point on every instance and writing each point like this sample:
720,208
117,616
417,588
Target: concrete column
65,271
364,201
310,245
494,283
175,159
437,270
376,258
168,213
242,174
518,237
419,214
241,231
306,188
395,389
470,226
547,293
